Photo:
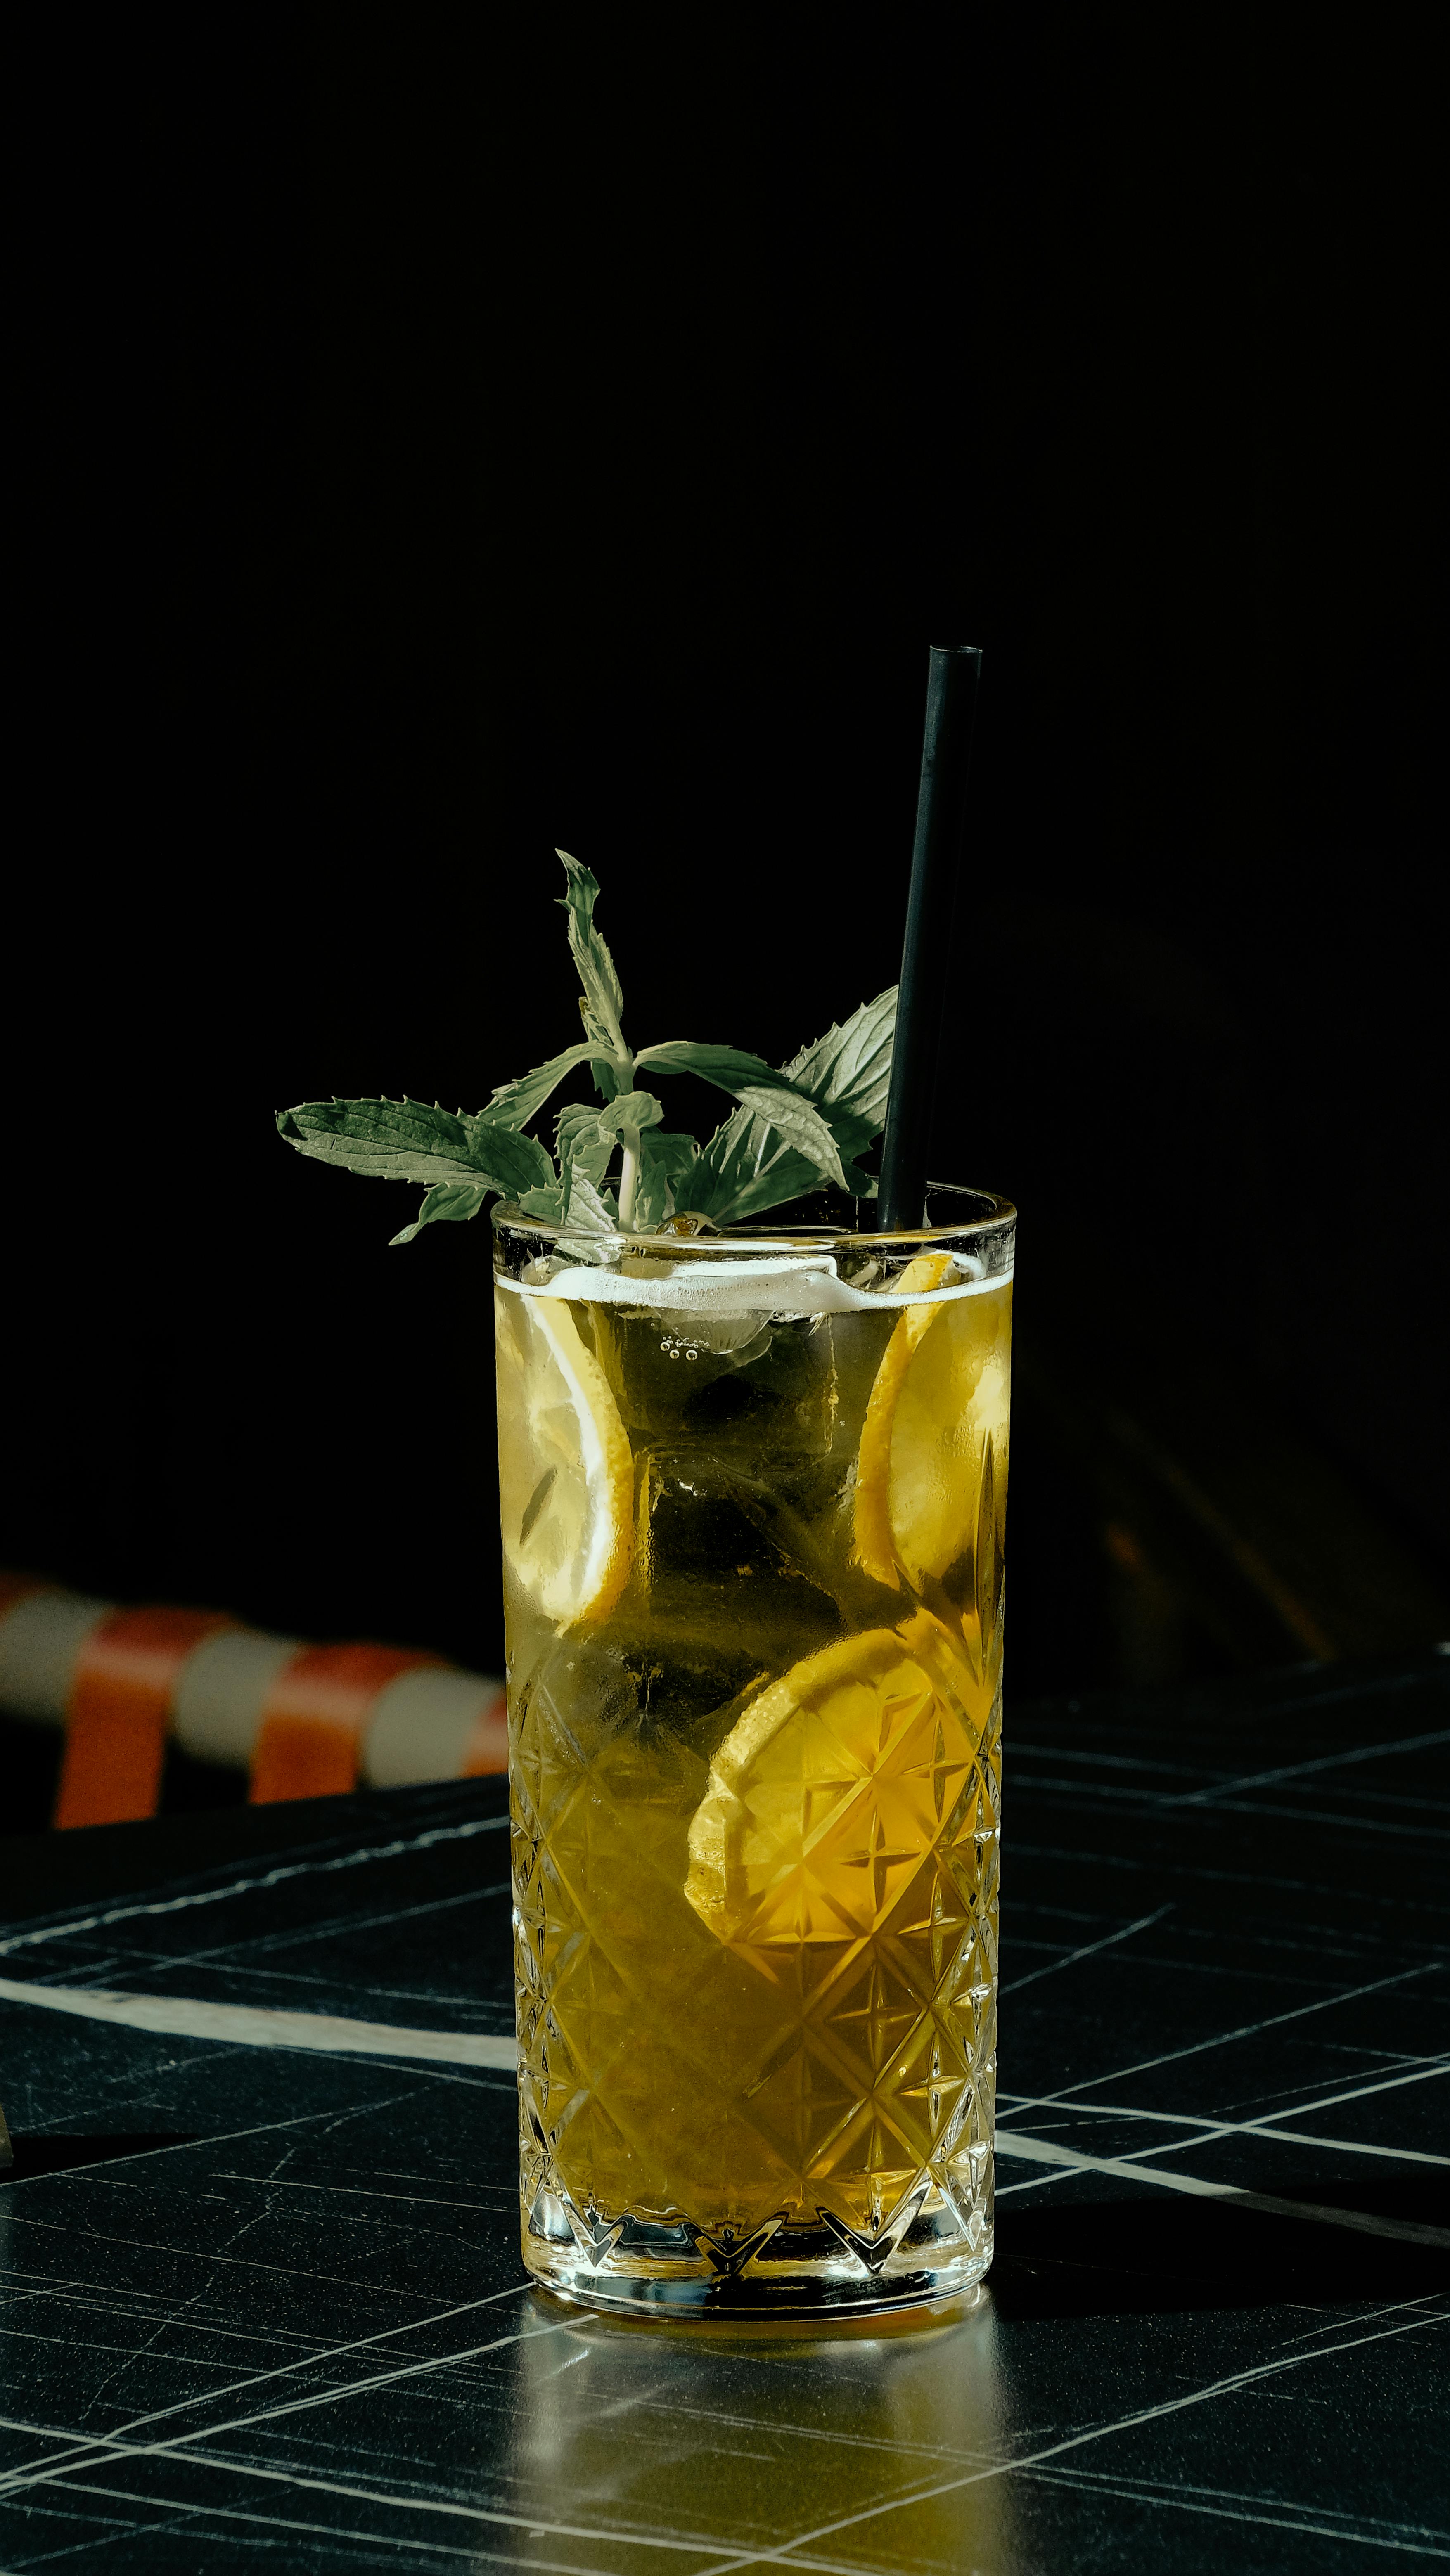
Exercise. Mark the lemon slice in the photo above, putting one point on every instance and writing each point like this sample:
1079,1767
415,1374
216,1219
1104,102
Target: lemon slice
831,1791
942,1392
566,1476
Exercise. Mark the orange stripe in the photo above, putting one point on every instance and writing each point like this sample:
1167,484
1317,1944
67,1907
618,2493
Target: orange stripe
488,1746
313,1716
118,1712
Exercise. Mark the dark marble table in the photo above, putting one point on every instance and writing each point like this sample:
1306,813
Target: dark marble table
264,2299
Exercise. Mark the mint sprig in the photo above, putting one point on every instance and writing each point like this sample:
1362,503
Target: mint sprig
793,1128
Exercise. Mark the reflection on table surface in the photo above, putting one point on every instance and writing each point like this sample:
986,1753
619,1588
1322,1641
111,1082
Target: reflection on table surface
685,2429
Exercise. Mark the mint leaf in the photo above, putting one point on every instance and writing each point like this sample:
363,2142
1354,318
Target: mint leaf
801,1125
590,1213
452,1201
638,1109
726,1067
597,973
662,1157
852,1134
610,1078
584,1145
850,1067
654,1199
515,1103
391,1140
673,1153
577,1132
547,1203
767,1154
509,1162
747,1166
406,1140
823,1130
585,1149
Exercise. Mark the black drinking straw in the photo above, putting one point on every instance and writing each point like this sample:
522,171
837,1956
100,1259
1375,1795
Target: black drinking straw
951,704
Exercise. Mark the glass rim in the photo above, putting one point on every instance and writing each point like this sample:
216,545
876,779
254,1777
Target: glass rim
994,1215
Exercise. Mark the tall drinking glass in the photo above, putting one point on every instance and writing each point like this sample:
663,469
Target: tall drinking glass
753,1488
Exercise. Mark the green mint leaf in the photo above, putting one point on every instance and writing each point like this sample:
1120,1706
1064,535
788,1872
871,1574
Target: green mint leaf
637,1109
746,1167
583,1146
749,1166
673,1153
825,1131
852,1133
577,1131
390,1140
509,1161
726,1067
663,1156
850,1067
547,1203
591,955
515,1103
406,1140
654,1199
801,1125
588,1211
454,1202
609,1077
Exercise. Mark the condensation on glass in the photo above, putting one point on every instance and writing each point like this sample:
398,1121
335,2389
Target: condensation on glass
753,1489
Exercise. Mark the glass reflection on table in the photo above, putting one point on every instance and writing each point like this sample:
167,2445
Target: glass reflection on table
755,2434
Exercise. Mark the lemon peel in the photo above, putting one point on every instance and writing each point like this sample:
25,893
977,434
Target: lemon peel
942,1392
566,1472
830,1790
874,1549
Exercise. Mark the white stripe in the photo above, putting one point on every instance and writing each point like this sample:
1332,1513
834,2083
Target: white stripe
1365,2531
422,1726
262,2026
62,1929
139,2155
40,1642
218,1695
1088,1950
1302,1770
1262,2128
84,2450
1244,2030
1045,2151
104,2446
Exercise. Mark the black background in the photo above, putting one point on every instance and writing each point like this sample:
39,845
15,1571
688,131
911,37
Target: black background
442,443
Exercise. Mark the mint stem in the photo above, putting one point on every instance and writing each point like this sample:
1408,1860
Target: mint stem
629,1174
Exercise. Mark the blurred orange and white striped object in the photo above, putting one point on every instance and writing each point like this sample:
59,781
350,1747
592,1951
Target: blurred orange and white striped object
304,1721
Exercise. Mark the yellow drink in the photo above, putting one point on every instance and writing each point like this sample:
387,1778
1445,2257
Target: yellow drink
752,1507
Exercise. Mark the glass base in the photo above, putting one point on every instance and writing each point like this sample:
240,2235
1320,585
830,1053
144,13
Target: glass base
605,2265
642,2293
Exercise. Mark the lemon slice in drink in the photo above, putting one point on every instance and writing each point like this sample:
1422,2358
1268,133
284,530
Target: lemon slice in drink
566,1476
942,1390
831,1790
